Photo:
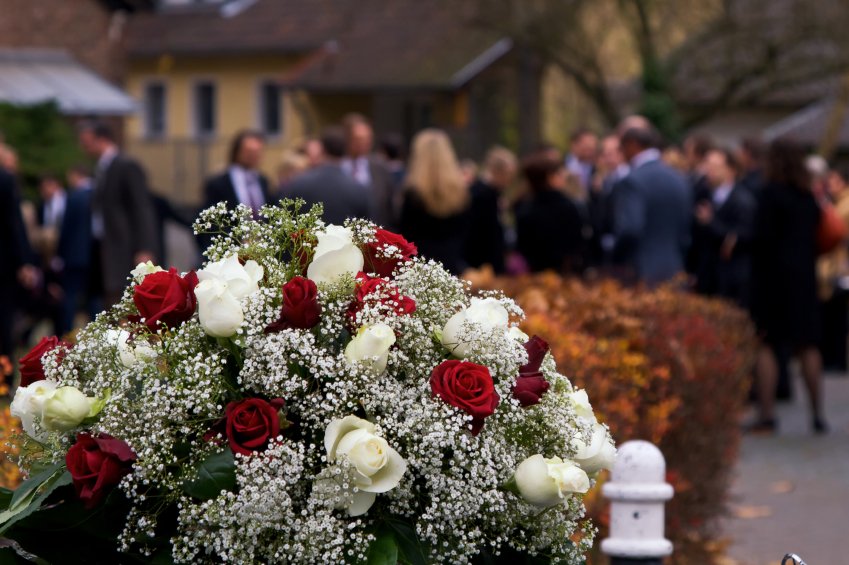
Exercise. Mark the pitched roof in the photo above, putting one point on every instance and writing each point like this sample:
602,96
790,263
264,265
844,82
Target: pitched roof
809,125
32,76
356,44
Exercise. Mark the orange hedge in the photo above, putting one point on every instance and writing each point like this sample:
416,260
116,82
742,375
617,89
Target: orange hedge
660,365
9,428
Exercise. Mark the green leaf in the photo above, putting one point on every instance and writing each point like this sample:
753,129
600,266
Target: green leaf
383,550
215,474
408,542
5,497
26,491
31,504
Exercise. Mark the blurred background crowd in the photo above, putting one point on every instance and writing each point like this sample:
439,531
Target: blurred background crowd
753,224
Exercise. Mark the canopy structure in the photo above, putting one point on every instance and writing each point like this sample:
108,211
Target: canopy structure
32,76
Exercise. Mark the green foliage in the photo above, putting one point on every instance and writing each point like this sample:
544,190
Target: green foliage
215,474
43,138
29,496
657,103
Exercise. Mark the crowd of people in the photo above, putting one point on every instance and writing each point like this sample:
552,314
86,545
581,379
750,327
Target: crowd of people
741,223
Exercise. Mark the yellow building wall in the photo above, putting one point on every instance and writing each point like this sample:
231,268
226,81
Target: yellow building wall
178,163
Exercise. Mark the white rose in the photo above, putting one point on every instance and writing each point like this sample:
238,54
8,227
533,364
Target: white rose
66,408
371,346
582,405
378,467
516,334
546,482
219,312
241,280
486,314
599,454
335,255
129,352
29,404
144,269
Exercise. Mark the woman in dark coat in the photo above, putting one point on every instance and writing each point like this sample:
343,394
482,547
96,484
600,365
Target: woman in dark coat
549,226
785,306
435,210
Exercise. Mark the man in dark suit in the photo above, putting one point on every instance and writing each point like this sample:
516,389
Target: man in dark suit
73,252
371,174
329,185
485,244
727,220
16,258
242,182
122,218
652,211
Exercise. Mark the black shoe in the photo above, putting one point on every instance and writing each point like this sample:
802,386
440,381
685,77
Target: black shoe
762,427
820,426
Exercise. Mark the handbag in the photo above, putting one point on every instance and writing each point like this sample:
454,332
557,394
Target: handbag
832,230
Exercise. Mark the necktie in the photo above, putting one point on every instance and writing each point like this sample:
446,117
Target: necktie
254,200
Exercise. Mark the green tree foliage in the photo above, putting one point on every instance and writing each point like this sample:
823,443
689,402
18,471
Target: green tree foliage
42,137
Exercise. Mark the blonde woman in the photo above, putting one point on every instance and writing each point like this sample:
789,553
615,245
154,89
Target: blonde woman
435,209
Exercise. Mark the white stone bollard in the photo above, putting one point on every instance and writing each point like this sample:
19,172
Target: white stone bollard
637,492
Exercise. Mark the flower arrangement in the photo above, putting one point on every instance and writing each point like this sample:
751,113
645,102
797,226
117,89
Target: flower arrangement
314,394
649,359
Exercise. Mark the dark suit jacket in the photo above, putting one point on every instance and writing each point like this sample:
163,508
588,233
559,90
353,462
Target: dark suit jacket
652,210
329,185
549,230
122,196
438,238
220,189
485,244
386,195
729,277
74,247
14,245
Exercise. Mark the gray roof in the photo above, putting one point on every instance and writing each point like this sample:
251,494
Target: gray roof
808,125
32,76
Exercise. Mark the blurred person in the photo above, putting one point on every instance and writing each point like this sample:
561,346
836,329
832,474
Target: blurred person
390,148
728,223
73,252
833,279
634,121
17,263
818,171
435,206
784,286
329,185
580,162
610,169
242,182
549,225
674,157
696,148
122,214
469,169
486,244
292,164
49,215
9,159
651,213
751,156
368,171
312,150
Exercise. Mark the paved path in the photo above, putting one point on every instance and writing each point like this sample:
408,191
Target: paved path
791,493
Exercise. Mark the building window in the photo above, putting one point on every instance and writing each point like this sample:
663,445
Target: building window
205,102
270,109
154,109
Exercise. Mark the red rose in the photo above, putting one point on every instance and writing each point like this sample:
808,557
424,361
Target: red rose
531,384
300,308
30,364
374,290
251,423
385,254
166,297
96,465
468,386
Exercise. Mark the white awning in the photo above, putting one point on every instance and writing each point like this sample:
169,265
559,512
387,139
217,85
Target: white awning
32,76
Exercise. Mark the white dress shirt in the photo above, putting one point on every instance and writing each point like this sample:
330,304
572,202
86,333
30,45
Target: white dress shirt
721,194
247,187
98,227
54,210
645,156
358,169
